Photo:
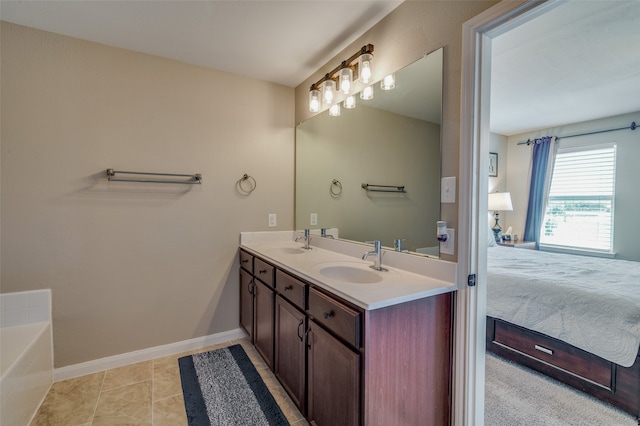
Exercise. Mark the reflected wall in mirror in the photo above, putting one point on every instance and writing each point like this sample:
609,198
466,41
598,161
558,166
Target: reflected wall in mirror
393,139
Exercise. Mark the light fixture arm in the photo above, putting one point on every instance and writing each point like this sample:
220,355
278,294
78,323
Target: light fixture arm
368,49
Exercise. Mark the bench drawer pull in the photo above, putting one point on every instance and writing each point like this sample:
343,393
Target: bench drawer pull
543,349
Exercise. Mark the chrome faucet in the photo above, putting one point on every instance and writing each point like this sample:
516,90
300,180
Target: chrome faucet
377,263
397,243
306,239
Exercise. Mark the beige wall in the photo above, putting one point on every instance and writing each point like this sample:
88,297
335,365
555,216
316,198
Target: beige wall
133,266
412,30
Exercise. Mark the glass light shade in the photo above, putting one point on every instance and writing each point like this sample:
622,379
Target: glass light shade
315,100
389,82
346,79
334,111
364,68
350,102
329,92
367,93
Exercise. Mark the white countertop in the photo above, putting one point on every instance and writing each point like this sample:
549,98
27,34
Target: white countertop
409,277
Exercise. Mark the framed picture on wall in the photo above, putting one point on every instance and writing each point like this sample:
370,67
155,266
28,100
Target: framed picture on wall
493,164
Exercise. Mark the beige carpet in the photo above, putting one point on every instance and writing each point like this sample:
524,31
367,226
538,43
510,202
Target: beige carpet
518,396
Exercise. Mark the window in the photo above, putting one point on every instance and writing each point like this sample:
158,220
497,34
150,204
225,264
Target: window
579,212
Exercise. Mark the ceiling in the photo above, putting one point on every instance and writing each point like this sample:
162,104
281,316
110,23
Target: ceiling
578,62
278,41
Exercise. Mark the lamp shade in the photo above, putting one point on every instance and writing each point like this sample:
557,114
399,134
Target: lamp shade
500,201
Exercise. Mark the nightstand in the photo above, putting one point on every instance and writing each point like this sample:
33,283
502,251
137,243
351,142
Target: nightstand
529,245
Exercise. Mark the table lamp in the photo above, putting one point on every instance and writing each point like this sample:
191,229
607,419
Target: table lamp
499,201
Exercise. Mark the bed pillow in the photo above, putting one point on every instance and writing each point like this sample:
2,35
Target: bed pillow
492,238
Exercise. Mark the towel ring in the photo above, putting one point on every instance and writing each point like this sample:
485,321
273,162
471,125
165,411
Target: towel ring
251,186
335,192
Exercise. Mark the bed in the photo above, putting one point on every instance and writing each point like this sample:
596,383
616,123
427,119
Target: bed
573,318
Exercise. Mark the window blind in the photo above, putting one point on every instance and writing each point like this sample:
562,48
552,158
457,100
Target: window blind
579,211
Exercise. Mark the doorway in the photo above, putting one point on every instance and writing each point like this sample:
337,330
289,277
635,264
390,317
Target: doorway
469,380
478,35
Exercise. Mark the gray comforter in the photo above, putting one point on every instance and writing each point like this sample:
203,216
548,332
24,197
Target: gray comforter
591,303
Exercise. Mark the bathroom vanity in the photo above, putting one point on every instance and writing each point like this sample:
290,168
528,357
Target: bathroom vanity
351,345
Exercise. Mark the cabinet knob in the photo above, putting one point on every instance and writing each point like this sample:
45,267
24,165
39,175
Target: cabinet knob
288,287
328,315
244,260
262,271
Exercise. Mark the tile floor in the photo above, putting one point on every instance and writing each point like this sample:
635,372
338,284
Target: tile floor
145,393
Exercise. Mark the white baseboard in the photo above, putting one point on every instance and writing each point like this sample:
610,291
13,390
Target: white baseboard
89,367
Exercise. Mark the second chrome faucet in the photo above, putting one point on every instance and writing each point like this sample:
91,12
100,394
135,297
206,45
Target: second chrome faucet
306,237
377,252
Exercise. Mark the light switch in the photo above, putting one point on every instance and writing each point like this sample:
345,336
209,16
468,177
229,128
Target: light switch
448,190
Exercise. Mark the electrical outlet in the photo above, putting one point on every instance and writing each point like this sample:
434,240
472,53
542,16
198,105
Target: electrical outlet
314,219
272,220
449,246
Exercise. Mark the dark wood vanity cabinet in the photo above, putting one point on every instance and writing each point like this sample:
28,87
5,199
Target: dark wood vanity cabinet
246,302
344,365
257,299
290,357
333,380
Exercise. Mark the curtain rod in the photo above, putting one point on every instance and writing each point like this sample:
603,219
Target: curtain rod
633,126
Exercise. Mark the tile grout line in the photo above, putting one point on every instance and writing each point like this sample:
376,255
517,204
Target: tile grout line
153,389
95,408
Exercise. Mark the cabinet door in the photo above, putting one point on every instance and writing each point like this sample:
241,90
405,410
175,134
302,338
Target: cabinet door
334,380
290,357
246,303
263,321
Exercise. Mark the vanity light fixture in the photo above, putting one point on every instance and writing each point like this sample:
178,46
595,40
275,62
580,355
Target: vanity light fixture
315,100
357,66
334,111
346,79
389,82
364,63
328,92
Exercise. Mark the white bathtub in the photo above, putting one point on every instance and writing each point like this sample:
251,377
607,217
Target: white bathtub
26,358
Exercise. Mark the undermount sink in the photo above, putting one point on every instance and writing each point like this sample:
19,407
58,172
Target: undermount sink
287,250
350,274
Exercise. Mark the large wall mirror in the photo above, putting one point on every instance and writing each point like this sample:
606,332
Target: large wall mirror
391,140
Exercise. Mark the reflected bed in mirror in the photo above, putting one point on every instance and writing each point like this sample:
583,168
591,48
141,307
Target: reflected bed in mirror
393,139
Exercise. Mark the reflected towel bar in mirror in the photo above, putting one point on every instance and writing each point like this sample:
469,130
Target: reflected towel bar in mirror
383,188
194,179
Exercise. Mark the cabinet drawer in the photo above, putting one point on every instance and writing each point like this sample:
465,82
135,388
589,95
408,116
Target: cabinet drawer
554,352
263,271
339,318
246,261
291,288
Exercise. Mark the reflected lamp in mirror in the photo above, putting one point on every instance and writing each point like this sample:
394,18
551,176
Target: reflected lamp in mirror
388,83
499,202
